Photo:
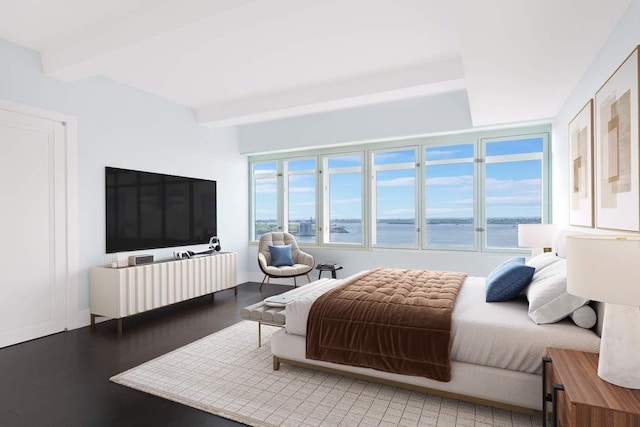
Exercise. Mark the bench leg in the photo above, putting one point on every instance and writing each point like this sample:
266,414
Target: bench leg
276,363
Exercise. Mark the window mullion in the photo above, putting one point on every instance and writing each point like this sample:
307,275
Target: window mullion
282,197
480,220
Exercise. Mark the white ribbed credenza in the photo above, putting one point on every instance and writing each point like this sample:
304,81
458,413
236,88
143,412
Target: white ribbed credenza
122,292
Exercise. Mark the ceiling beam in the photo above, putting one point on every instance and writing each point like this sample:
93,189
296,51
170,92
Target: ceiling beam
411,82
81,56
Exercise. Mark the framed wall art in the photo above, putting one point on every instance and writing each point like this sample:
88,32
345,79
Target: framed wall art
581,167
617,149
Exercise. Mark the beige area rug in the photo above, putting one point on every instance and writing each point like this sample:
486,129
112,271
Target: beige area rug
227,375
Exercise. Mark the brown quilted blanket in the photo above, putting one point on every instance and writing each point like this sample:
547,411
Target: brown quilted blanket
388,319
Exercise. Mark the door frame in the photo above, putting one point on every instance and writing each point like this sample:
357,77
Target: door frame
75,318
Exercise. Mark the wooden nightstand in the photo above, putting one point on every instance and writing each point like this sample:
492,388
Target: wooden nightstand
581,397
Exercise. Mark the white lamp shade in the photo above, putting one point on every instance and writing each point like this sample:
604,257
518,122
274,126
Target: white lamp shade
604,268
536,235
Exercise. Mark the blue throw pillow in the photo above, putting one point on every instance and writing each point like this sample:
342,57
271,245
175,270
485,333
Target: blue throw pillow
280,255
508,280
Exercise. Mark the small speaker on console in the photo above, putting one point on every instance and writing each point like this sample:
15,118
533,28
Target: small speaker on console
140,259
214,244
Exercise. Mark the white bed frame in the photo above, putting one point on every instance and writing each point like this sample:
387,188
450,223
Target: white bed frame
486,385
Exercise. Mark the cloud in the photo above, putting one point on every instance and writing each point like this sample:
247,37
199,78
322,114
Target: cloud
432,212
265,171
403,156
345,201
457,181
442,153
302,190
397,182
310,203
398,212
266,187
521,199
513,184
463,202
301,177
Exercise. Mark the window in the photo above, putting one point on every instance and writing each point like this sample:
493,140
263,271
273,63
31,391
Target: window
465,192
300,191
514,188
342,199
449,200
393,198
265,198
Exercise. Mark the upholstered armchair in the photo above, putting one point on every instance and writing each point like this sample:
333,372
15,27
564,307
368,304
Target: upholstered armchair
303,262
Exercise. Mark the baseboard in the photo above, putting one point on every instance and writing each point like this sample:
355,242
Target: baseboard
79,319
243,278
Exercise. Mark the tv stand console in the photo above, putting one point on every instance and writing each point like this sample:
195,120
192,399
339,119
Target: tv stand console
122,292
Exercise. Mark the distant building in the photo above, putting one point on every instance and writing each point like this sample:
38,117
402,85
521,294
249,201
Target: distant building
306,228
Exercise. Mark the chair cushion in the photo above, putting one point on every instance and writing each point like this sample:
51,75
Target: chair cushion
278,238
280,255
507,280
288,270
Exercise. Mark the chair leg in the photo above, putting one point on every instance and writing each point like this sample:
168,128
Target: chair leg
265,276
295,284
308,278
266,290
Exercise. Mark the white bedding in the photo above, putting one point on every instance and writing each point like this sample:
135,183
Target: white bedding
498,334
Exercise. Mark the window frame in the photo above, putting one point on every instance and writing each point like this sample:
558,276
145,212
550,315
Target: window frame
478,139
326,194
373,184
544,158
285,191
475,247
252,194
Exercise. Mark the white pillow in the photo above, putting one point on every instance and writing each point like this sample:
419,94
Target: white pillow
585,317
547,293
543,260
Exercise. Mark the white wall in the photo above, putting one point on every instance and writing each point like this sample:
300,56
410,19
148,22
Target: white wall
439,113
125,127
623,39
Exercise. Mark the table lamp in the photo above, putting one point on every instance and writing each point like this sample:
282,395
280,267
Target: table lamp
607,269
537,236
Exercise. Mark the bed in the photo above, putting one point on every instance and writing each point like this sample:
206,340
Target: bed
495,348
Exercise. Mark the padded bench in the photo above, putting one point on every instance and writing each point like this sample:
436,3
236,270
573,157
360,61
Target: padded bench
263,314
275,315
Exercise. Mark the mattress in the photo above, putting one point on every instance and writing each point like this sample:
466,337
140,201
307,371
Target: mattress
499,335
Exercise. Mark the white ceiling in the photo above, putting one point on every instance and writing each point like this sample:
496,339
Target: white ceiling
241,61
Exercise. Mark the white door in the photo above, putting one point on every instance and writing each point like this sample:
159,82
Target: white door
32,227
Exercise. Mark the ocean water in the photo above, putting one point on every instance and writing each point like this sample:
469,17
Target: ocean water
438,235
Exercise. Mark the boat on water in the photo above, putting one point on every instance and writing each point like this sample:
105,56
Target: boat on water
338,229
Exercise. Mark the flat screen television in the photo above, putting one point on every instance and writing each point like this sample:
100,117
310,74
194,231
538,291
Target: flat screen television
150,210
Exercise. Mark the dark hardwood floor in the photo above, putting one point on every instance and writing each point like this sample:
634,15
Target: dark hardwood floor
63,379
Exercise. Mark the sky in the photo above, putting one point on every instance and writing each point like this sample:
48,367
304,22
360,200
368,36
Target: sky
513,189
